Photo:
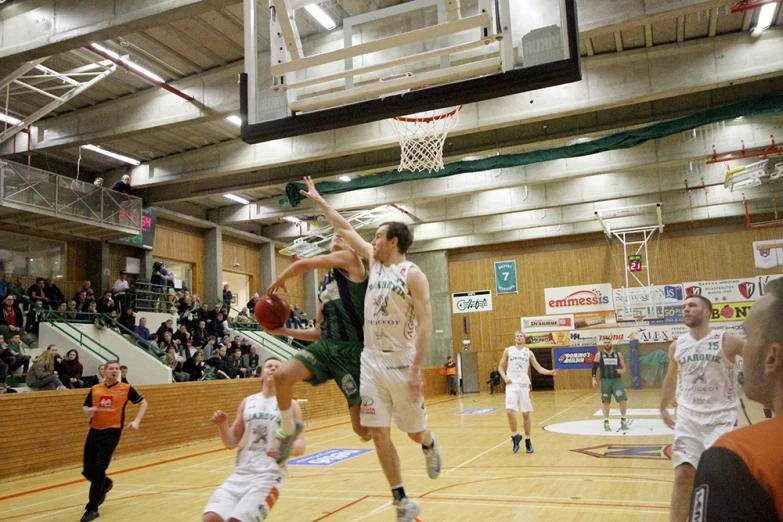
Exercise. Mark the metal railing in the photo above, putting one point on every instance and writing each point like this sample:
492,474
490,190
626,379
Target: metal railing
56,321
34,189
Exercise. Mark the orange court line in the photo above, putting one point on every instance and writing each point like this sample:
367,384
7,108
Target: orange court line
340,508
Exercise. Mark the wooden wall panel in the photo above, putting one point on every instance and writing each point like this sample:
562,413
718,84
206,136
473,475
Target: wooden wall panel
77,261
246,254
295,285
117,255
681,254
181,243
178,414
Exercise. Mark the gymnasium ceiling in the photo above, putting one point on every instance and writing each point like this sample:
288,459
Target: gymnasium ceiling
643,63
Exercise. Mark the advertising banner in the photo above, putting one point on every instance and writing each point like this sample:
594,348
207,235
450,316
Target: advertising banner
575,358
548,323
595,337
730,290
572,299
547,339
465,302
506,277
595,319
722,312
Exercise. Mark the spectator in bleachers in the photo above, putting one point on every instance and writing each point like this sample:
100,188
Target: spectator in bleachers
7,285
42,376
202,313
213,371
36,291
128,317
3,375
86,285
224,328
227,295
251,360
181,336
243,317
223,354
98,182
238,369
165,326
210,349
114,322
245,345
53,293
105,304
172,360
123,185
71,310
120,289
142,329
160,276
214,312
124,373
164,341
92,380
34,318
80,301
11,318
92,308
90,296
72,371
251,305
194,366
200,335
17,349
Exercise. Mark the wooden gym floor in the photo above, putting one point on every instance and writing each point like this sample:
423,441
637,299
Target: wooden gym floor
481,479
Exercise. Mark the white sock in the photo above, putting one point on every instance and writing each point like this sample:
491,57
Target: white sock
514,434
527,437
606,419
288,421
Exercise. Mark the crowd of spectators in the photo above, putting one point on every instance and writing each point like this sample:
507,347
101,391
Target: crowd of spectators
200,348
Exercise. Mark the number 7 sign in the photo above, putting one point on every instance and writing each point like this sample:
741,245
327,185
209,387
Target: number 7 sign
506,277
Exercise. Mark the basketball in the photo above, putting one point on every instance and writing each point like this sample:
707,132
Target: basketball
272,311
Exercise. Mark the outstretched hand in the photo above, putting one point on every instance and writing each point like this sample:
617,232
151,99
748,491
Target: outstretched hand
311,193
275,286
219,417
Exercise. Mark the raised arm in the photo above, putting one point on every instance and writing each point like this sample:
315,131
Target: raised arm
339,259
231,436
540,369
669,388
341,226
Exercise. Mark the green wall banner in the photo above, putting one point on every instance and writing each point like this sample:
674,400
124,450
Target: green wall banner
506,277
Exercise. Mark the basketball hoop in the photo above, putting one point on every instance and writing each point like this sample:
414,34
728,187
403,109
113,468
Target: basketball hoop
422,136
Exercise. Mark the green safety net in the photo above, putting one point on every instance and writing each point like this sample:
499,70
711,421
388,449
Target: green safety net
654,366
621,140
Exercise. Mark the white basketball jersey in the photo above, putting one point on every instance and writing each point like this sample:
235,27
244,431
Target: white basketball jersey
706,380
389,322
262,419
518,366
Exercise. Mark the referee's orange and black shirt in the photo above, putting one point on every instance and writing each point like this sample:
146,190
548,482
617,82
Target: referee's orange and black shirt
111,401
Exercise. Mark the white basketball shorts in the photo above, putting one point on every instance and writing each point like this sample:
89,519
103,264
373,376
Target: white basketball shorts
246,497
518,398
385,392
695,432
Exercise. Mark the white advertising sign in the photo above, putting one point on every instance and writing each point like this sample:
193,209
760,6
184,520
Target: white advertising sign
466,302
548,323
572,299
730,290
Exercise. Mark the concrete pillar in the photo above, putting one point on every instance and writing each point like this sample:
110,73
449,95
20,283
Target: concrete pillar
266,266
311,284
98,266
213,265
435,266
146,263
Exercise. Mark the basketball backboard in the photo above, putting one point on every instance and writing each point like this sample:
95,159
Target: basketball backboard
402,58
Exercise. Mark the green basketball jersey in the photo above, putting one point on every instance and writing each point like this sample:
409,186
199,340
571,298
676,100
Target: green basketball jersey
610,362
342,303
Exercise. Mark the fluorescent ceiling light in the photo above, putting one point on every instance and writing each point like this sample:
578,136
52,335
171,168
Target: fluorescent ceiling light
346,179
138,68
236,120
110,154
10,119
292,219
765,15
236,198
320,16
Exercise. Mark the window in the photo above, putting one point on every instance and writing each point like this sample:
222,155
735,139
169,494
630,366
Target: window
23,255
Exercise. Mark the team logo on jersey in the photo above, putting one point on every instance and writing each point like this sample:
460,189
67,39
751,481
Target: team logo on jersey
260,434
381,303
699,503
699,373
349,385
105,401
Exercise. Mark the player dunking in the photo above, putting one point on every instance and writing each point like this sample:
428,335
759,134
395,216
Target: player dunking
397,333
703,372
612,366
253,488
513,368
337,338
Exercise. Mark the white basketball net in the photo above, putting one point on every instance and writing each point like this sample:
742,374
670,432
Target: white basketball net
422,136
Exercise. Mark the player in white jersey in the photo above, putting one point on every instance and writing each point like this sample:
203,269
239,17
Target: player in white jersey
251,491
514,367
702,377
397,334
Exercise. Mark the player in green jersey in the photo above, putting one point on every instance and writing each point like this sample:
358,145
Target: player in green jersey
612,367
338,337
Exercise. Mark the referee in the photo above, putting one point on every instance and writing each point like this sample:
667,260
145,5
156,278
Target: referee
105,405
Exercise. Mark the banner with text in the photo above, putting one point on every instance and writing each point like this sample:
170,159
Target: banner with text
547,339
575,358
465,302
506,277
730,290
572,299
548,323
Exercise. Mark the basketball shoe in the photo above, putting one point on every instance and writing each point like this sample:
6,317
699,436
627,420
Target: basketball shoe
528,446
623,425
287,442
432,459
406,510
516,439
606,426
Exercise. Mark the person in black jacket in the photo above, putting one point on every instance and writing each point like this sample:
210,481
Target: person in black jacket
11,319
54,294
494,380
34,318
195,366
124,186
